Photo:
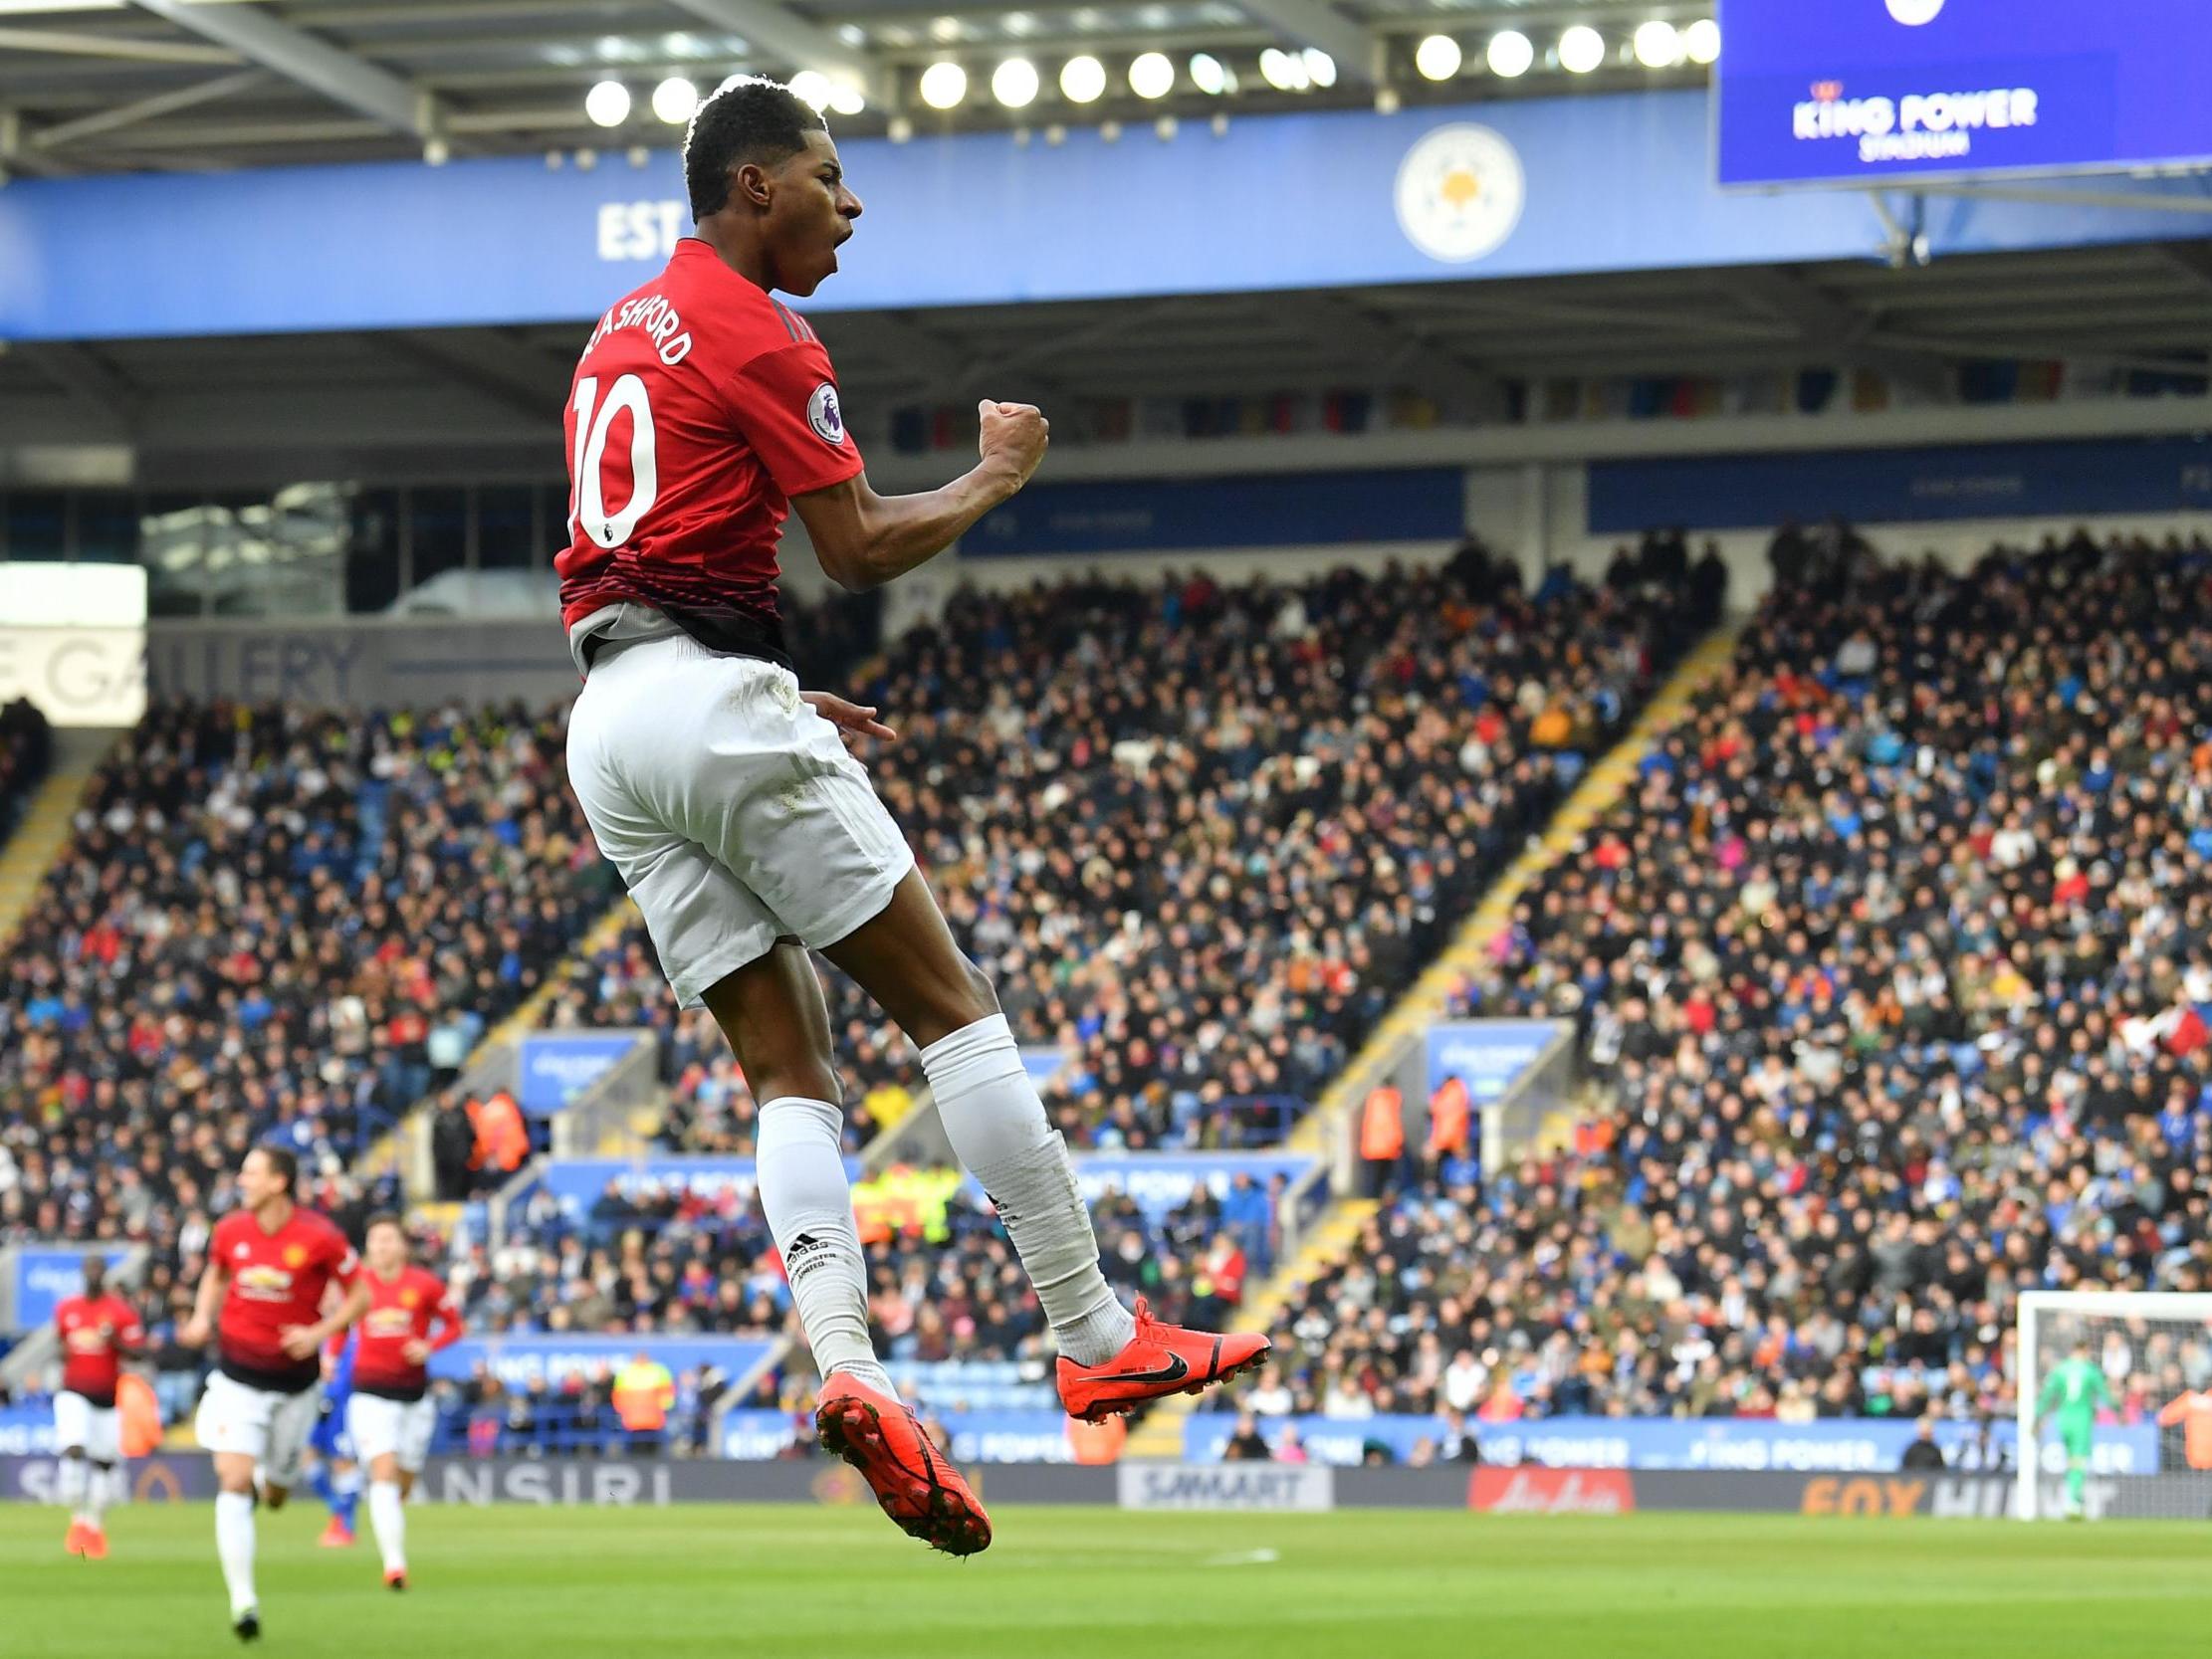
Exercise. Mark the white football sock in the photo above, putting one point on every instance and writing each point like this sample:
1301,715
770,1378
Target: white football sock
234,1545
69,1486
387,1519
997,1129
97,1490
808,1204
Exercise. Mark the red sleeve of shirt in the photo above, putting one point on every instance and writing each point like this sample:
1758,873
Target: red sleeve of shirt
343,1262
452,1326
220,1240
785,406
130,1332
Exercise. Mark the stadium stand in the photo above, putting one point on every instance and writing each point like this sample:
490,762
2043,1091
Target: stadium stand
1200,835
263,925
1448,710
1892,974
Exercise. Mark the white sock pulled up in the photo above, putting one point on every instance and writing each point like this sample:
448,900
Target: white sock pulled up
999,1131
808,1203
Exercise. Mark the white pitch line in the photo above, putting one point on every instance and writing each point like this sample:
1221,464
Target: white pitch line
1245,1557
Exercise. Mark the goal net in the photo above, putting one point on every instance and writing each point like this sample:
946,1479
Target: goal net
2114,1405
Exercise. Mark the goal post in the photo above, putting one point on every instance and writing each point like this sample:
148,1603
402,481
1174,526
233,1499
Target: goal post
2153,1353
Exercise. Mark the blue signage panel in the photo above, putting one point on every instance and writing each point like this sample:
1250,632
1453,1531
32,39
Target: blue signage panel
26,1430
521,1360
578,1181
558,1067
1292,509
46,1276
1488,1056
1866,1444
1159,1182
1859,91
1025,1436
1156,1182
1903,486
1332,199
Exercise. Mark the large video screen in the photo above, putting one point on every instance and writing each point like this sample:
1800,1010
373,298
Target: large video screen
1854,91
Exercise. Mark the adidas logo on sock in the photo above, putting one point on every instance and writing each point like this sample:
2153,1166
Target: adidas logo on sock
803,1255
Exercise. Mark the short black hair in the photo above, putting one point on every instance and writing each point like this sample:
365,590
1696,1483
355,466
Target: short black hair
383,1218
286,1162
747,120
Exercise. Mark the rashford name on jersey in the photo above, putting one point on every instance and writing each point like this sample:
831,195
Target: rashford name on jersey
653,314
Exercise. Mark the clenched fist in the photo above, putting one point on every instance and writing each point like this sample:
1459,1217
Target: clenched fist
1014,438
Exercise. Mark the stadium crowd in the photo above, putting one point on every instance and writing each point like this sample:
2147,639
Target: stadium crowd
271,923
1269,803
1201,835
1895,969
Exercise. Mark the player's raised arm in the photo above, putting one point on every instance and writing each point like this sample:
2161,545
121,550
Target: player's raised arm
864,540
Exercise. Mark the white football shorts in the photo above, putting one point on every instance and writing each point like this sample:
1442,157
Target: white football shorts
96,1430
729,806
403,1427
271,1428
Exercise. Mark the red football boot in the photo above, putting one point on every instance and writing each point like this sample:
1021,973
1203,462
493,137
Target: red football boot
922,1494
1161,1359
74,1545
336,1535
96,1543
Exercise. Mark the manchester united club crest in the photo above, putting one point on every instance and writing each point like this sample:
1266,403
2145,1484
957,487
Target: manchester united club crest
295,1256
410,1299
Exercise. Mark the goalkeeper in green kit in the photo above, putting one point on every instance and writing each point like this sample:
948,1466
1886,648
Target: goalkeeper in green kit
2075,1387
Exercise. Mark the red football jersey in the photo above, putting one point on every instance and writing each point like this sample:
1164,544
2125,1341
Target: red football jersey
700,407
277,1280
91,1360
400,1311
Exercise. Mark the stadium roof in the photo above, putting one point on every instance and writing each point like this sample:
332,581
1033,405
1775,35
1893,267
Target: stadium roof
291,403
93,85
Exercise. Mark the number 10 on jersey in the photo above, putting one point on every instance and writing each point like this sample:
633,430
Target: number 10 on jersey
588,493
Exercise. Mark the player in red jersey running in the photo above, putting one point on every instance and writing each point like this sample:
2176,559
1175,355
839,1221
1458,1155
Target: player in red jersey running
271,1266
98,1330
702,412
391,1416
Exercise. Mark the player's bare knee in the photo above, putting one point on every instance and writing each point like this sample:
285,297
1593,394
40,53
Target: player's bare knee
812,1081
974,997
951,1004
981,993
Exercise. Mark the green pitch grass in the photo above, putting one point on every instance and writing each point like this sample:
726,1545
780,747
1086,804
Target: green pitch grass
757,1582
